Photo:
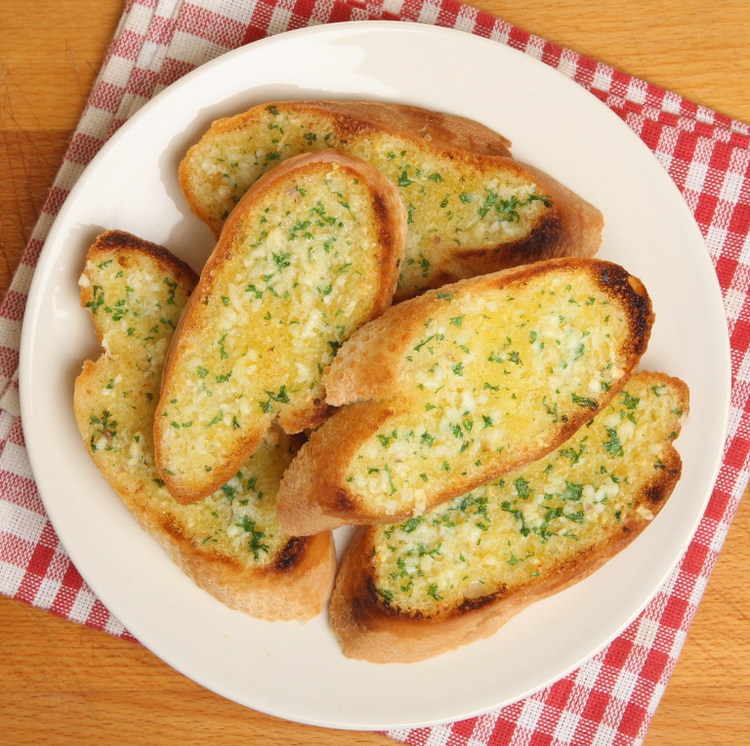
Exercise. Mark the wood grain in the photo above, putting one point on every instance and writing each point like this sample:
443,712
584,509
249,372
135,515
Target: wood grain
61,683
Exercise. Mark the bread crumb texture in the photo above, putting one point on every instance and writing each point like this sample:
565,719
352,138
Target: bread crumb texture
491,377
298,274
533,523
452,203
135,303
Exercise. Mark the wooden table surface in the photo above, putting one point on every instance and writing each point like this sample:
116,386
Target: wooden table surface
63,683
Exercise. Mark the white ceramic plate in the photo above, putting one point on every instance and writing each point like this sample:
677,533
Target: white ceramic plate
294,671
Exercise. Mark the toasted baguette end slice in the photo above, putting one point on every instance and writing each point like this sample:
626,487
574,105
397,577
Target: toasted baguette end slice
134,291
408,592
311,252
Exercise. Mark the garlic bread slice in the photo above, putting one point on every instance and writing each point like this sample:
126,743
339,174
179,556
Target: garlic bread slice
230,544
472,209
310,254
412,590
463,384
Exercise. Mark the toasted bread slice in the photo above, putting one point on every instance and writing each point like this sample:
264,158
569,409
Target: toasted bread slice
231,543
409,591
461,385
472,208
310,254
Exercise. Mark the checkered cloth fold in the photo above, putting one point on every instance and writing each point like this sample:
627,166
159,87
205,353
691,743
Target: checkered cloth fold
611,698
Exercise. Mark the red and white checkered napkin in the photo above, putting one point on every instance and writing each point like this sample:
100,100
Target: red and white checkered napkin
611,698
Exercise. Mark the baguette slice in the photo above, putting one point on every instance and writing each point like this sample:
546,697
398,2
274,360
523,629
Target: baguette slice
472,208
461,385
310,254
410,591
231,544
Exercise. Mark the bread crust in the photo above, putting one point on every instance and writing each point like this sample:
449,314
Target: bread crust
193,331
369,375
296,582
370,628
323,461
569,227
295,586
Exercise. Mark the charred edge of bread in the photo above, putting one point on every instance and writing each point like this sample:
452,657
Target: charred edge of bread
118,240
293,587
370,630
570,227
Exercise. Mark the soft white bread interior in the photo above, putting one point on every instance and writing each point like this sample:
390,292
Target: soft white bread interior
231,544
461,385
472,209
410,591
310,254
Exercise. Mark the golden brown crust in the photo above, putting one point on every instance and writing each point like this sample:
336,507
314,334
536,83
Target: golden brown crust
370,372
297,581
367,631
390,228
571,228
294,587
440,130
369,627
304,506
